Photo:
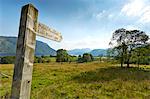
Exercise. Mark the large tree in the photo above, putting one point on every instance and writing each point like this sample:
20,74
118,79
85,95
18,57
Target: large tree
125,41
62,56
85,58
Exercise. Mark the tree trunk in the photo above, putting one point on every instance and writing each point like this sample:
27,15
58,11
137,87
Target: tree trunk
121,64
122,58
128,60
128,65
138,61
121,61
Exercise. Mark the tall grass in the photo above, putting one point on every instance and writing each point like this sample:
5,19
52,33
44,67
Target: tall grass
85,81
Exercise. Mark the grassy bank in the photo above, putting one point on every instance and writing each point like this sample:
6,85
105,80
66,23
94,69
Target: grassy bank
86,80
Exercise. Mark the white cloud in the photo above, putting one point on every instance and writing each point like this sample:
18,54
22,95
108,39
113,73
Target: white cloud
133,8
110,16
99,15
146,15
103,14
139,9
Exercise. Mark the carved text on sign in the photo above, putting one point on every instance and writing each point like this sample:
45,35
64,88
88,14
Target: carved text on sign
48,33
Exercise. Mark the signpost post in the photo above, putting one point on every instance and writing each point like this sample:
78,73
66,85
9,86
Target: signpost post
28,29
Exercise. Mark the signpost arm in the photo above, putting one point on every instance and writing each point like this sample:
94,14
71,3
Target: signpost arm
22,77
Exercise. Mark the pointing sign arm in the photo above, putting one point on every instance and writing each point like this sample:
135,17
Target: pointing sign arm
48,33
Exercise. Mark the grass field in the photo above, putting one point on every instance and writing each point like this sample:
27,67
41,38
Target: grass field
84,81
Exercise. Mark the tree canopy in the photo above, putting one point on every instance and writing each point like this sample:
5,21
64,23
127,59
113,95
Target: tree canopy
125,41
62,56
85,58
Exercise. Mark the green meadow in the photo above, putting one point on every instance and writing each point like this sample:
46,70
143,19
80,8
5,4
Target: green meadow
93,80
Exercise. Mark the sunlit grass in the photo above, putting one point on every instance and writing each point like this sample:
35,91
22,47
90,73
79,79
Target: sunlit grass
86,80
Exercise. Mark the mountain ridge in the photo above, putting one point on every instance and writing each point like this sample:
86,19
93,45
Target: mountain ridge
94,52
8,47
79,51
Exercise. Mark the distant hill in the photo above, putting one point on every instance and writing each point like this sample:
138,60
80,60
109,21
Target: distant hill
8,47
99,52
79,51
95,52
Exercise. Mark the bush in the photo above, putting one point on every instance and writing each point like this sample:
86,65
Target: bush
7,60
42,59
85,58
62,56
11,59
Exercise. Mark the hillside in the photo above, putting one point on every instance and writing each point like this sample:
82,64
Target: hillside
8,47
94,52
79,51
99,52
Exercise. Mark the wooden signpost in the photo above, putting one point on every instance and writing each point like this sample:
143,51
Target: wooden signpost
28,29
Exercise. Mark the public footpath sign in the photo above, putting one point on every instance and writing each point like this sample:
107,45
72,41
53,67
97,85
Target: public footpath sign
28,29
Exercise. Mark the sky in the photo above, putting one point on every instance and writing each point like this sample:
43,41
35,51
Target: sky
82,23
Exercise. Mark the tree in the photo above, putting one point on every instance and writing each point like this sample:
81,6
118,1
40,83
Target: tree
141,55
7,60
79,59
62,56
70,58
87,57
125,41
